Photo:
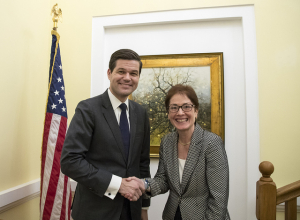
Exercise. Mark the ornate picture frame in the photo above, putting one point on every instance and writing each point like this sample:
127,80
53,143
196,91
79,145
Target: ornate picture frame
203,71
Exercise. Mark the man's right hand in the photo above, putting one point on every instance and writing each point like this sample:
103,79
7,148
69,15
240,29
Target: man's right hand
139,181
131,189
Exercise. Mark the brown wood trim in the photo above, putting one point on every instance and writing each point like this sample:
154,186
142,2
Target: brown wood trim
288,192
291,209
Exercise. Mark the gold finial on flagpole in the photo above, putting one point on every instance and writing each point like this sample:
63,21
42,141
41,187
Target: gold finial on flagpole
57,16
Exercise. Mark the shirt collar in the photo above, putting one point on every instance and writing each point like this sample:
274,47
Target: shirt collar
115,102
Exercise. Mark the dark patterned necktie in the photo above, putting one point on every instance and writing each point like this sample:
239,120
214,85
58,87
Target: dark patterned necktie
124,127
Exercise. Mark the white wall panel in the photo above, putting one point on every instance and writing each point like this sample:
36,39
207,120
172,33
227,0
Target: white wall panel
229,30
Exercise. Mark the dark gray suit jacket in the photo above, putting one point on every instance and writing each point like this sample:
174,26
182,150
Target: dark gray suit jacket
93,151
203,192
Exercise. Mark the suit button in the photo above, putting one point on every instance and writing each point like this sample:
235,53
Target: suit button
109,194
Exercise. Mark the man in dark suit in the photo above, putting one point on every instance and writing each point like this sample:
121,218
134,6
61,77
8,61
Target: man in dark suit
108,140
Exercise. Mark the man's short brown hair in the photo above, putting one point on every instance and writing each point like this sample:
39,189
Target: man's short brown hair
124,54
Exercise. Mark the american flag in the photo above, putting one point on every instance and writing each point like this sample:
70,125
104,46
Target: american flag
55,197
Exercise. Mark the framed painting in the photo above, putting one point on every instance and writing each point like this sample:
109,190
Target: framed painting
203,72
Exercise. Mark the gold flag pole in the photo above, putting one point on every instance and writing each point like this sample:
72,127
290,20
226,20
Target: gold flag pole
57,16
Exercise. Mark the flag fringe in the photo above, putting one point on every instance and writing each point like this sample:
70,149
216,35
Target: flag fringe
56,46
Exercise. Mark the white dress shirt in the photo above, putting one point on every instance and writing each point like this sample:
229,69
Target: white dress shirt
181,163
116,181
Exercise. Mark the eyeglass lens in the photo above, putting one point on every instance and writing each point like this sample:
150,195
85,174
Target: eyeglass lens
185,108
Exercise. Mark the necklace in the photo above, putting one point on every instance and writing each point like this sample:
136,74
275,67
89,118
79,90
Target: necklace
183,143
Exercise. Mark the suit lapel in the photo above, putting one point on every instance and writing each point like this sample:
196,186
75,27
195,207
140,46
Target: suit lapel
133,125
171,155
192,157
110,117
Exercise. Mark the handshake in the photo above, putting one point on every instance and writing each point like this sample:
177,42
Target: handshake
132,188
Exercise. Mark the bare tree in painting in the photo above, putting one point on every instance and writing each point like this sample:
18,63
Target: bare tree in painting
153,100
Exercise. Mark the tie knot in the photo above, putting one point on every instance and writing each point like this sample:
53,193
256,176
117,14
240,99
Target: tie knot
123,106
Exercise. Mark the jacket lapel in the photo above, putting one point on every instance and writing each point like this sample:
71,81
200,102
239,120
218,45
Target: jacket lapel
171,155
110,117
133,125
192,157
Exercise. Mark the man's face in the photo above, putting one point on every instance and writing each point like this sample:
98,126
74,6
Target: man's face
124,79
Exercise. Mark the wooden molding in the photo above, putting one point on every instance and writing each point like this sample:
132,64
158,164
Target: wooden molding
19,202
18,195
279,208
19,192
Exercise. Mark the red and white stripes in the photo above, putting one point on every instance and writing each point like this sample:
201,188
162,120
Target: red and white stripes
55,199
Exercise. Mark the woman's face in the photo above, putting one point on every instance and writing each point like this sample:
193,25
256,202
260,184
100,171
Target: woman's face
182,120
